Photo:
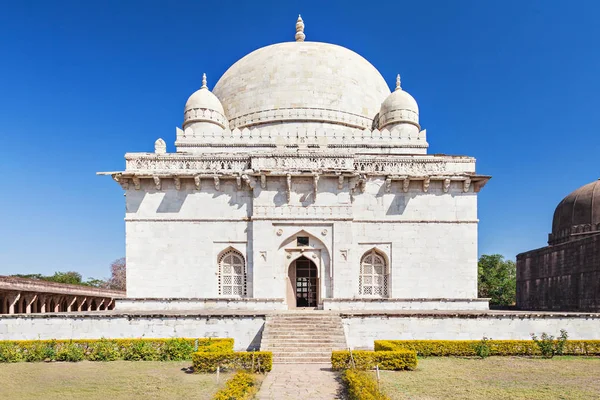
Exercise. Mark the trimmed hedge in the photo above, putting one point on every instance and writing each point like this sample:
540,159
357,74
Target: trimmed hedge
466,348
254,361
387,360
361,386
242,386
109,349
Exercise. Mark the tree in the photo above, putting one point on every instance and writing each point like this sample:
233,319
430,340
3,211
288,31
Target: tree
117,280
93,282
497,279
70,277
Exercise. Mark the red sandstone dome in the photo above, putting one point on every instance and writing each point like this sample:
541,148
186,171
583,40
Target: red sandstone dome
577,215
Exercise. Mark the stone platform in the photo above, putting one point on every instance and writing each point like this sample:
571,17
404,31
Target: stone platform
361,328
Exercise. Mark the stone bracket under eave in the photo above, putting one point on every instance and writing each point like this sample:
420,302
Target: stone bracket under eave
355,180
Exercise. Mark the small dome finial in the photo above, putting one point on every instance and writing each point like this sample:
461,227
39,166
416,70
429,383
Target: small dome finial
300,36
204,82
398,87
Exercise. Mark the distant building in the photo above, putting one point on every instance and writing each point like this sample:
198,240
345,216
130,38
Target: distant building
565,275
300,180
33,296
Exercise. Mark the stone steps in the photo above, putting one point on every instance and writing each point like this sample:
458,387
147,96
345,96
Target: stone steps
302,360
302,335
284,345
303,338
303,325
304,350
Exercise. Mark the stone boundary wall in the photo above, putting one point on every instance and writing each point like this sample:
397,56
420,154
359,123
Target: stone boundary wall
405,304
175,304
563,277
246,330
361,328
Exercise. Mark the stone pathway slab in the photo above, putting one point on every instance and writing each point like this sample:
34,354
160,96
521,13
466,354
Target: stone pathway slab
302,382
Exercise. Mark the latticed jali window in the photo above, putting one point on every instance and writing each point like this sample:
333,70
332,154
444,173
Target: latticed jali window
232,274
373,280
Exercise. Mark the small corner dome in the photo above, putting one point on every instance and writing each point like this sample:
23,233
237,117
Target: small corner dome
398,108
204,106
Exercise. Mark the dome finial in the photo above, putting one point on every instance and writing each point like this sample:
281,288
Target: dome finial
204,82
398,87
300,36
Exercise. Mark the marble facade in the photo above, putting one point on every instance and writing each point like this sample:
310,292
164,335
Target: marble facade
300,181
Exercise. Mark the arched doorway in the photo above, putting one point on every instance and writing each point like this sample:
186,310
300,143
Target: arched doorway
303,289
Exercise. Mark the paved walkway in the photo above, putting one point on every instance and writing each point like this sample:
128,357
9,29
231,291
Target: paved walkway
302,382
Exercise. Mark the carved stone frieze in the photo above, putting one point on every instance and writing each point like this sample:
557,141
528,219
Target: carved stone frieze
302,162
305,212
399,167
183,163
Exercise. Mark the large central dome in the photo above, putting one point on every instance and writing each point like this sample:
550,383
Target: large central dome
302,82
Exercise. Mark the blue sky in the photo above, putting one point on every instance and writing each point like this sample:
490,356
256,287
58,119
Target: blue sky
512,83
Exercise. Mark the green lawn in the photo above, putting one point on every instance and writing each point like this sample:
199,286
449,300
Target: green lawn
116,380
496,378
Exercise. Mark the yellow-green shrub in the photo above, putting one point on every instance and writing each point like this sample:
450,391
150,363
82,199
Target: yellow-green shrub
70,352
10,352
361,386
242,386
387,360
109,349
467,348
255,361
141,350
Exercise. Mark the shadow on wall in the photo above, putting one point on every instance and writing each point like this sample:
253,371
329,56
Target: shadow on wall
401,199
255,343
173,200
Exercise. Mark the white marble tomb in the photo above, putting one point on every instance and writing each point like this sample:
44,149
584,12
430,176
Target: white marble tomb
300,180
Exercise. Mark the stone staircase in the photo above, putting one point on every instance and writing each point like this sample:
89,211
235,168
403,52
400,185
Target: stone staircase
303,337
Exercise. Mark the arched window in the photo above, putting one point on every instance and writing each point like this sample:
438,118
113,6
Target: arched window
232,274
373,280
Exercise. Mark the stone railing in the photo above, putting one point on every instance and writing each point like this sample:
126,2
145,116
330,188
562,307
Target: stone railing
292,161
176,162
303,162
411,166
320,137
